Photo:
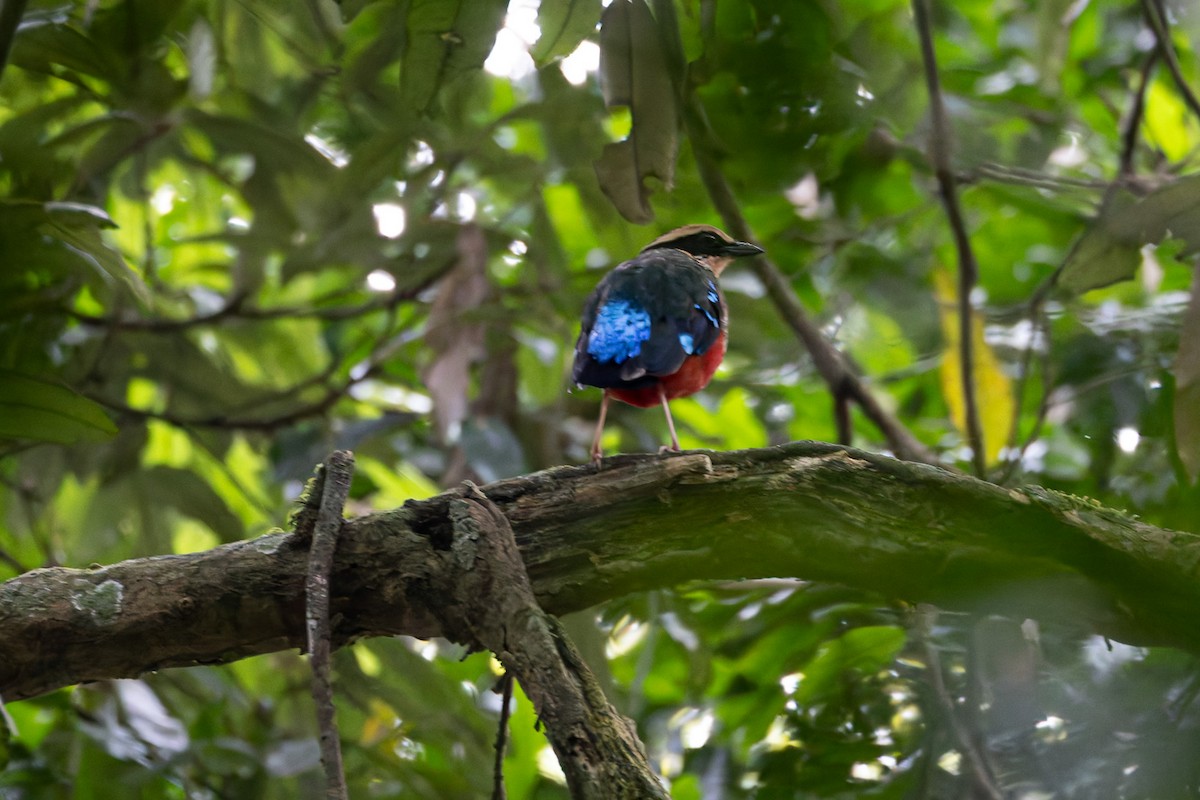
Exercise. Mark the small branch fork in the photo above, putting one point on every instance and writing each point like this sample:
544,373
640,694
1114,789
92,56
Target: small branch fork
488,602
968,268
332,484
1157,18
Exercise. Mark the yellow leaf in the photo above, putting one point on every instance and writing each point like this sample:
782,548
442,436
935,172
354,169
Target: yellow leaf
395,483
993,389
1168,122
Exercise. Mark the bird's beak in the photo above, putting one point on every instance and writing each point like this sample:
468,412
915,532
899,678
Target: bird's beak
738,249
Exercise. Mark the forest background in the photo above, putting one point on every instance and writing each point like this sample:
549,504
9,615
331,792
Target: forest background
237,235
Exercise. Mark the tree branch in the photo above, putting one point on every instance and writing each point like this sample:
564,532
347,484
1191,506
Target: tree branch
487,601
841,379
334,477
1157,18
968,269
980,771
807,510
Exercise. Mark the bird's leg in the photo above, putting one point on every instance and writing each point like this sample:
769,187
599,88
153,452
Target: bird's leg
662,396
597,453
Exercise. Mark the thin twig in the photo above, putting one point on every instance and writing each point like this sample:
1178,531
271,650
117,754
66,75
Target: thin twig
234,308
498,792
975,758
1020,176
1133,123
8,722
968,269
1037,316
227,422
1041,327
1157,19
830,363
266,424
338,470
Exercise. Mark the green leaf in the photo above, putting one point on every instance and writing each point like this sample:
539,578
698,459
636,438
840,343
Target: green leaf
397,484
31,408
86,243
188,492
73,226
863,650
443,40
564,25
1109,251
43,43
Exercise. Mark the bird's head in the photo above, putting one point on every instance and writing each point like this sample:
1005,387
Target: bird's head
711,246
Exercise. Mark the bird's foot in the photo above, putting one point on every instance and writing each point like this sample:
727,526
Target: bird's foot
668,448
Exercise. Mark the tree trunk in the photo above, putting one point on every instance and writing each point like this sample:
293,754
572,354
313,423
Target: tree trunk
805,510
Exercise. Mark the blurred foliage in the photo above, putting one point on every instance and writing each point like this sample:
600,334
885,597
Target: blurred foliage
231,233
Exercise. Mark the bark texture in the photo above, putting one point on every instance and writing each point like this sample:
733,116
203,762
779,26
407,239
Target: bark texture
808,510
490,603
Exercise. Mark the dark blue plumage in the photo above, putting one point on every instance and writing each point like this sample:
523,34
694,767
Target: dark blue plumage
645,318
654,328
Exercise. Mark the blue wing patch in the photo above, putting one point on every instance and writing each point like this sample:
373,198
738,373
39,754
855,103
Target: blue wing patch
713,320
688,343
714,299
619,331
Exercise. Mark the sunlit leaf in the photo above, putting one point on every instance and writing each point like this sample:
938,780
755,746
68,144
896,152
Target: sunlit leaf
862,650
76,227
993,388
731,426
564,25
443,40
194,497
394,485
1168,122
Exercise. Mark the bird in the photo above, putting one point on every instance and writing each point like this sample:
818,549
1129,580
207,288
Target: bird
655,327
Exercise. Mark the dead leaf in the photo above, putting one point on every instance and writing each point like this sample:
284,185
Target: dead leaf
455,340
635,71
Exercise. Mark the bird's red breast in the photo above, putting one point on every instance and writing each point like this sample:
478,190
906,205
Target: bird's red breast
692,376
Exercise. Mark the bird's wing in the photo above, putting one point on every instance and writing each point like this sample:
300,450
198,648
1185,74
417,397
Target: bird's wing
646,317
